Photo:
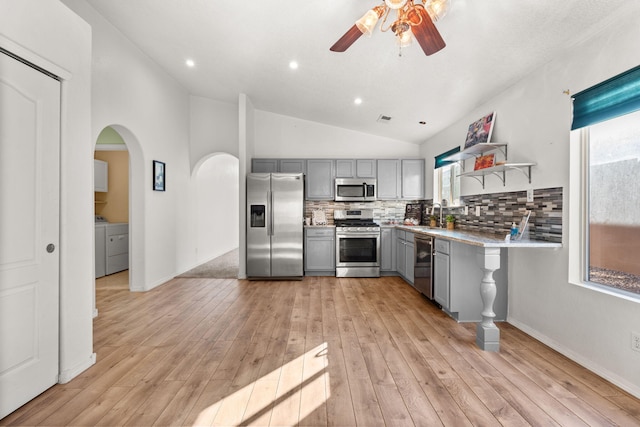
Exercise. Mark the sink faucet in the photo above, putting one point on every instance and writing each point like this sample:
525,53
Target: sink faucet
433,211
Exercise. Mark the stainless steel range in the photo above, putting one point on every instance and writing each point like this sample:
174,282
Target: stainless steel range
357,243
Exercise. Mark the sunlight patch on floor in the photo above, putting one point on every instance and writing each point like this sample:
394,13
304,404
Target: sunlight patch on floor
282,397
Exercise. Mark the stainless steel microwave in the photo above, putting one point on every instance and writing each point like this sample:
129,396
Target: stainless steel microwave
355,190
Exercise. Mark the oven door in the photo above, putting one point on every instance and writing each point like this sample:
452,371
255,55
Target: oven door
357,249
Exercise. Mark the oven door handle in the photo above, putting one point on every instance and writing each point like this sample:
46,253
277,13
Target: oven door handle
351,235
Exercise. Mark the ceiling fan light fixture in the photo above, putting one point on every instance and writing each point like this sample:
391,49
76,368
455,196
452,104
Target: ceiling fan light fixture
368,22
404,39
437,9
395,4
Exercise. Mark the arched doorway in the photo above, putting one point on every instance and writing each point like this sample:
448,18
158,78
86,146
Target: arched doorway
216,224
111,206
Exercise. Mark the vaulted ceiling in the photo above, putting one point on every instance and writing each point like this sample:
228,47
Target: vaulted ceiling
246,47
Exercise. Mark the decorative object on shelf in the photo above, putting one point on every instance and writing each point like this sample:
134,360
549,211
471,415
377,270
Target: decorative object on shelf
413,211
480,130
522,228
451,221
158,176
419,18
485,161
318,217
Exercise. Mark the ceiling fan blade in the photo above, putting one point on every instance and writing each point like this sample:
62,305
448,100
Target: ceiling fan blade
425,31
347,40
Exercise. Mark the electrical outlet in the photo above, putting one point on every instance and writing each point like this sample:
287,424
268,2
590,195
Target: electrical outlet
530,195
635,341
466,210
477,210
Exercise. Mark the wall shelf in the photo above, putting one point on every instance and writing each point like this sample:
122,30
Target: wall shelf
500,172
477,150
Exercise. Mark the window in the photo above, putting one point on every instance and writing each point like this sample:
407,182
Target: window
607,202
446,179
613,202
446,184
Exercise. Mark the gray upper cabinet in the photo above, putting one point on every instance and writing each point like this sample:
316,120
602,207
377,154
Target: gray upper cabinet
264,165
320,179
361,168
278,165
291,166
345,168
413,179
389,179
366,168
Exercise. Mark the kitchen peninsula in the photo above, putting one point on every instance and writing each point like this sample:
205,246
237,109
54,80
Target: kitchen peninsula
488,253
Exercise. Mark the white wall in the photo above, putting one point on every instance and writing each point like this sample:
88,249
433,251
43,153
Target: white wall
52,37
287,137
214,128
534,116
217,198
154,109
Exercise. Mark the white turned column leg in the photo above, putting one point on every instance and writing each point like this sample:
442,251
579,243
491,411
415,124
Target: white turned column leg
487,333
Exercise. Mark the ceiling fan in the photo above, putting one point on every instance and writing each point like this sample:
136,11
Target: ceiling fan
415,16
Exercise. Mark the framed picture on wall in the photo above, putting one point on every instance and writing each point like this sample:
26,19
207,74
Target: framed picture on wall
480,130
158,176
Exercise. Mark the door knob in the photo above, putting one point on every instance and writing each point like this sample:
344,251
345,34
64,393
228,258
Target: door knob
51,247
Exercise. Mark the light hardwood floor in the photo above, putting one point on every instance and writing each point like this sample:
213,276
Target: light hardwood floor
323,351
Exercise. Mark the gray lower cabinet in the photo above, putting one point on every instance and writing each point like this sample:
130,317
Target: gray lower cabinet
405,253
319,181
457,280
387,249
320,251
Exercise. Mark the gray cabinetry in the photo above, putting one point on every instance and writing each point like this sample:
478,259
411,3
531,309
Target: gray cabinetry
264,165
361,168
388,249
278,165
457,281
413,179
320,179
400,179
389,179
320,251
291,166
441,273
405,252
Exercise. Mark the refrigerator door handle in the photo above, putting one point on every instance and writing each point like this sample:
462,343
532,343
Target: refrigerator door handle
270,209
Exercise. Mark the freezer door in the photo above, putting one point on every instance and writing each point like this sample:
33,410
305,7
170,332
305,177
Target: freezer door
287,235
258,225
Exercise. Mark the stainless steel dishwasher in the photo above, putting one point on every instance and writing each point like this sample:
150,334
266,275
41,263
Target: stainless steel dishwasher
423,265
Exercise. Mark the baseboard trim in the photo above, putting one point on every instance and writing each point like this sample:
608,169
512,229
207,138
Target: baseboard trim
69,374
579,359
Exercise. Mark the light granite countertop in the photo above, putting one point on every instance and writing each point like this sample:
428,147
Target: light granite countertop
477,239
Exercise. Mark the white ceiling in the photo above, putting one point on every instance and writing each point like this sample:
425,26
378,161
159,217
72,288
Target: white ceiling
245,47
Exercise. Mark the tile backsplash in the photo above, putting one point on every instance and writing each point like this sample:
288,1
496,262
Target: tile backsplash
497,212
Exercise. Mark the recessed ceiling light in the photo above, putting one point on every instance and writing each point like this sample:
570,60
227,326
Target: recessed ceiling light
357,101
190,63
293,65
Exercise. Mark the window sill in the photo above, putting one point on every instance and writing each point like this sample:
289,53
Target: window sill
608,290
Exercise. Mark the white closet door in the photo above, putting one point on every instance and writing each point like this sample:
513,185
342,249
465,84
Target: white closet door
29,232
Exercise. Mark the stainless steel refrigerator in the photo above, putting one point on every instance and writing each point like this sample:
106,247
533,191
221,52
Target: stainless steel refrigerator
275,210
